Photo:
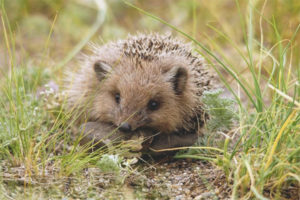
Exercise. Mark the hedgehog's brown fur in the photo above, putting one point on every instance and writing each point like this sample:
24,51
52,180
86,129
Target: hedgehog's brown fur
142,68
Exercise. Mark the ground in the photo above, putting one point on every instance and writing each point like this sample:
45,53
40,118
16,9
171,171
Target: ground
176,179
165,179
183,179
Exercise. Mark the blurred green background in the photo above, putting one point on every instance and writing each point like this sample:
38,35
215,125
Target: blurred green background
31,22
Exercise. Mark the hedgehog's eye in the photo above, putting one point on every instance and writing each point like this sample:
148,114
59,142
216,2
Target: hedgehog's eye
153,105
117,98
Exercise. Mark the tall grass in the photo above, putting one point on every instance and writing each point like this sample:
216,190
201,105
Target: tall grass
264,158
35,128
40,154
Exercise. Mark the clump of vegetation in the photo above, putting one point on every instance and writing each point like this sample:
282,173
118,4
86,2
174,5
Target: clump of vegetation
221,111
110,163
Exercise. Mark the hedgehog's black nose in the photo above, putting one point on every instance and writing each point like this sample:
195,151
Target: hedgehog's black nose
125,127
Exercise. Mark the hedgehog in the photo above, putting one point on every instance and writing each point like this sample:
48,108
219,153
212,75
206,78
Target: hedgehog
144,82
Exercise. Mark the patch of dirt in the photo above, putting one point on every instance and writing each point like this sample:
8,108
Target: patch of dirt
180,179
175,179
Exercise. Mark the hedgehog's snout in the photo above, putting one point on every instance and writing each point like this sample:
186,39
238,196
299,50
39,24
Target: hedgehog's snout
131,122
125,127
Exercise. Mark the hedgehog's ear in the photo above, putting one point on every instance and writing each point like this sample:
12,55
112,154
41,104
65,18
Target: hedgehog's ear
178,77
101,69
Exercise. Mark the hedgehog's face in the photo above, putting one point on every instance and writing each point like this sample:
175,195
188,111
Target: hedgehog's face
139,99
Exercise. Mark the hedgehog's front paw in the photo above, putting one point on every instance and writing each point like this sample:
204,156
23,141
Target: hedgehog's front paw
164,143
98,134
